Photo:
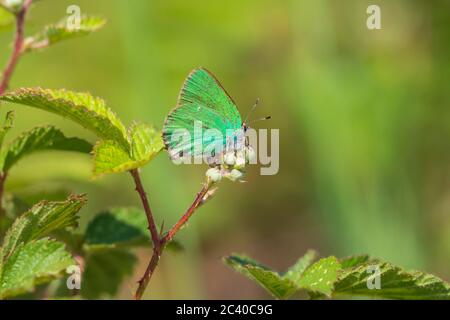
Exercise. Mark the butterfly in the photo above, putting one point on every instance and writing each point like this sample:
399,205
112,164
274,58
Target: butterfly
203,102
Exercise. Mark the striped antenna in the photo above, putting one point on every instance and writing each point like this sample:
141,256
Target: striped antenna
251,110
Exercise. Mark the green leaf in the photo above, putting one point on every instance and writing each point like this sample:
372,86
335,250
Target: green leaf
354,261
295,272
105,271
118,227
86,110
109,157
31,264
329,278
395,283
273,282
321,276
40,139
146,142
119,150
39,221
64,31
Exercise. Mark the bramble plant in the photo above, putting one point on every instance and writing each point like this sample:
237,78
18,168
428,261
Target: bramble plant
41,242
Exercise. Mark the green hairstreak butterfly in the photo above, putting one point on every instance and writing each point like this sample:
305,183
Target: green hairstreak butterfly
204,103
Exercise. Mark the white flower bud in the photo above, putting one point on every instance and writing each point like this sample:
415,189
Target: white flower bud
240,162
230,159
235,175
214,174
250,155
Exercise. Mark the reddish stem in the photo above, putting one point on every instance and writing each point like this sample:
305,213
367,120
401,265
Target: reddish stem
157,250
151,221
18,46
153,232
143,283
198,200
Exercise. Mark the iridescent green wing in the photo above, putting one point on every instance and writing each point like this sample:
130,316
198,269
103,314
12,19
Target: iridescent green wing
202,98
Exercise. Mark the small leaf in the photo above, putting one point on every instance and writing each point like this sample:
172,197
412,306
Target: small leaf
64,31
295,272
121,227
88,111
146,142
39,221
395,283
109,157
40,139
105,272
118,226
279,287
31,264
321,276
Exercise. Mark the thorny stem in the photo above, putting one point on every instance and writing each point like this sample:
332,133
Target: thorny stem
18,46
146,205
153,232
159,244
197,202
143,283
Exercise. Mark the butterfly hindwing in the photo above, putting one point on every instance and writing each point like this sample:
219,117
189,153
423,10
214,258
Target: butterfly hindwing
202,101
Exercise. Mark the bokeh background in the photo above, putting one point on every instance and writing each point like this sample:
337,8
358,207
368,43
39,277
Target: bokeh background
364,123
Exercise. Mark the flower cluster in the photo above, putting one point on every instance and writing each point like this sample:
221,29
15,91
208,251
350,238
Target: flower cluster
232,165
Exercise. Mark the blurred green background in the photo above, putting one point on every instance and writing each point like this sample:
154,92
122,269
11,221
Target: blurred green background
364,123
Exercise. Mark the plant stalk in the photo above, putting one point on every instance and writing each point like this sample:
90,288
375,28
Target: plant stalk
145,203
153,232
185,217
162,241
18,46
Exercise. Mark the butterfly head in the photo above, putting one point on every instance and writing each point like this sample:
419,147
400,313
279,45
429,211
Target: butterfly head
245,125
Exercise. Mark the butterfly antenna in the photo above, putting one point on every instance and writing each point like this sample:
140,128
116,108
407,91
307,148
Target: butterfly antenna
251,110
261,119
